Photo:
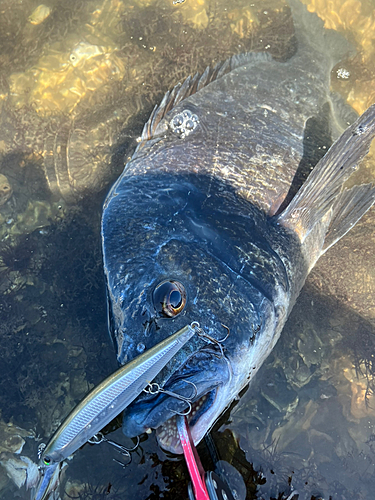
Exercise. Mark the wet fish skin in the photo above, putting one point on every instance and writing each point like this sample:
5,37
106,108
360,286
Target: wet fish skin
198,205
240,283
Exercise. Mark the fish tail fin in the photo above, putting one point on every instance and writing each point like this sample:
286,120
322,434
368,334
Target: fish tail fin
311,35
321,205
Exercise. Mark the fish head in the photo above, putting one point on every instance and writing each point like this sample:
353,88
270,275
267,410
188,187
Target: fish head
172,259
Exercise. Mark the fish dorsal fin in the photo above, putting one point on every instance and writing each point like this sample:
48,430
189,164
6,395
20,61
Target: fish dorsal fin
190,86
194,84
249,58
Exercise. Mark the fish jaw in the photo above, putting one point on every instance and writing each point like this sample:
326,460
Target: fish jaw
167,434
202,380
218,380
208,407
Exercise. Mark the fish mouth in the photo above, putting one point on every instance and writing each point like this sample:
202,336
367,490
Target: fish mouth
200,381
167,434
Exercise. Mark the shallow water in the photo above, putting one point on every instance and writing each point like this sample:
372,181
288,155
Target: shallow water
304,422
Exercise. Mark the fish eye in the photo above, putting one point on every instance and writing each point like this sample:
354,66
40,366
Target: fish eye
169,298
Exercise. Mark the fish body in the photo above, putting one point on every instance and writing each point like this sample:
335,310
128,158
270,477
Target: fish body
199,226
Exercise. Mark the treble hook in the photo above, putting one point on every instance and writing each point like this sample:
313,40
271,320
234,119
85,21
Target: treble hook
207,338
154,388
100,438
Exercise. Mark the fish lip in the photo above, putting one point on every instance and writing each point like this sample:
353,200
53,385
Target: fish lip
207,414
155,410
167,433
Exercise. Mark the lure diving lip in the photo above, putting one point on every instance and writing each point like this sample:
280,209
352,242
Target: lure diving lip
47,482
110,397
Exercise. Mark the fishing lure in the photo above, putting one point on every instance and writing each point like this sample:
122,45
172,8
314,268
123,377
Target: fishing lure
111,396
106,401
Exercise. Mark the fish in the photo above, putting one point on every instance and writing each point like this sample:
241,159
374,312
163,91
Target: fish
209,221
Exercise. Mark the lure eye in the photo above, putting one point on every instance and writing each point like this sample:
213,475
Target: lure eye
47,461
169,298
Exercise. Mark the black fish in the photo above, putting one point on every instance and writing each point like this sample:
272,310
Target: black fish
202,225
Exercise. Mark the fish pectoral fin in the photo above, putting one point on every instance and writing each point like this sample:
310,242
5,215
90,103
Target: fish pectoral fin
321,198
350,206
